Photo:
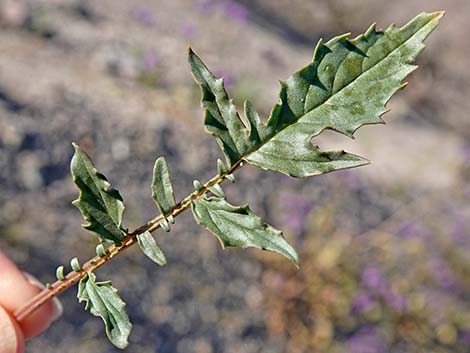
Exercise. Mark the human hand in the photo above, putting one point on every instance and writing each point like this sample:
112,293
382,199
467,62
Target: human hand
16,288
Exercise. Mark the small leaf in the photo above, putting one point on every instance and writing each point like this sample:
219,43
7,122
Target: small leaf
103,300
162,190
100,250
76,267
165,225
197,185
221,167
238,226
59,273
217,190
230,177
150,248
99,204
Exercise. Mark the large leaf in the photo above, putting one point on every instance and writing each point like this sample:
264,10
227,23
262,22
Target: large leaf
238,226
149,246
346,86
162,190
102,300
101,205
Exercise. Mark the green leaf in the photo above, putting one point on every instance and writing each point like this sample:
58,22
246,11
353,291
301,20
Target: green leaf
162,190
102,300
150,248
101,205
221,117
346,86
238,226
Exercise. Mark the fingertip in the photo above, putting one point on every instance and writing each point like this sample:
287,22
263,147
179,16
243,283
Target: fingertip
11,336
38,321
16,289
43,317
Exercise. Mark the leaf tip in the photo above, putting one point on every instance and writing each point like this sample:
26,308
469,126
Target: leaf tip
382,121
439,14
192,55
364,162
247,104
372,29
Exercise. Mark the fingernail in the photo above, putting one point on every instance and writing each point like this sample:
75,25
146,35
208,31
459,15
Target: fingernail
57,308
33,280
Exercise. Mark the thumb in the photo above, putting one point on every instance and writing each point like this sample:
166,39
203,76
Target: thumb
11,337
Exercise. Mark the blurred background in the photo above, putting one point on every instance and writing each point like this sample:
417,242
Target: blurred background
385,263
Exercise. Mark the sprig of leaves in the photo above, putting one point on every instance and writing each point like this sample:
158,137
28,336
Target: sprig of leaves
345,86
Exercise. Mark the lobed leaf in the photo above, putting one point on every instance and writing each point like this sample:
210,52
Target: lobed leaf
221,117
102,300
162,189
149,246
346,86
101,205
239,226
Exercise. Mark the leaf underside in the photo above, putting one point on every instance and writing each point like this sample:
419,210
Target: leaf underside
162,189
149,246
101,205
103,300
239,226
346,86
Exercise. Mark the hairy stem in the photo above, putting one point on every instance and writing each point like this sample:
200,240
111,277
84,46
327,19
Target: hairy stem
93,264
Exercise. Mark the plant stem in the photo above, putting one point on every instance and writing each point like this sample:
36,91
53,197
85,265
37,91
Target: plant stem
96,262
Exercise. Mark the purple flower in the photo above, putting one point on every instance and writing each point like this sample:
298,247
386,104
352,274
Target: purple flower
352,180
396,301
373,279
411,230
460,231
229,79
151,61
144,16
442,273
236,11
363,302
464,336
204,5
438,302
367,340
296,208
188,30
